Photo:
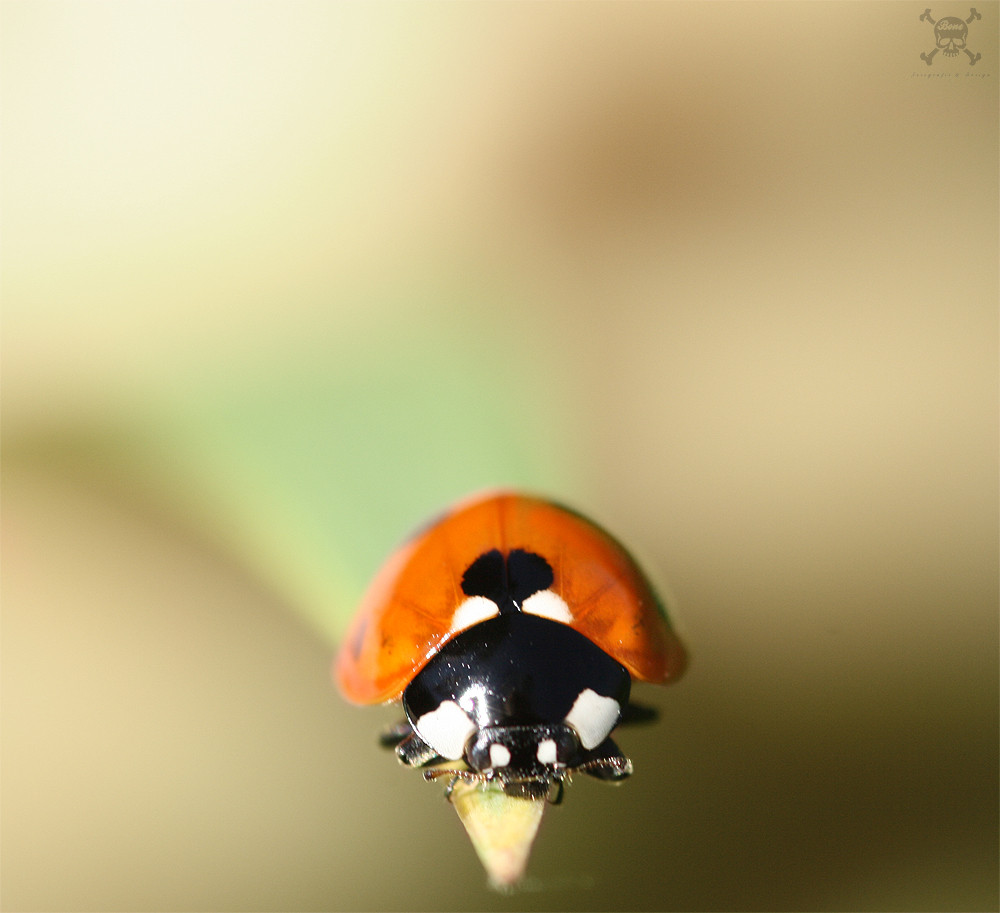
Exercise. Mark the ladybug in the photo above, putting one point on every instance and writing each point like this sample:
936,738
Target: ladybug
510,629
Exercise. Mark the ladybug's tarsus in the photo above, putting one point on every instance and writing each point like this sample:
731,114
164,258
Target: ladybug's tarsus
606,762
392,735
550,788
638,714
413,751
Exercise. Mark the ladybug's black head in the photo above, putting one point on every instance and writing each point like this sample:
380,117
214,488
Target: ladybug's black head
524,751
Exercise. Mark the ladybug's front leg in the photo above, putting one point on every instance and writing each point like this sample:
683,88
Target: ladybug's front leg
637,714
391,737
606,762
411,750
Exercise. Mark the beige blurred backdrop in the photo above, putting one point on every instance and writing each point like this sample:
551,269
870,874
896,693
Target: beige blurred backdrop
752,249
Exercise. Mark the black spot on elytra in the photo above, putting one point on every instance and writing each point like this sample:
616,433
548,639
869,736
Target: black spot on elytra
486,576
507,581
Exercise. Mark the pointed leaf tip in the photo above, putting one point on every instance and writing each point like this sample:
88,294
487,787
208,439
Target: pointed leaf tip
502,829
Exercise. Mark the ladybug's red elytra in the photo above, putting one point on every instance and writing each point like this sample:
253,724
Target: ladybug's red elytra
510,629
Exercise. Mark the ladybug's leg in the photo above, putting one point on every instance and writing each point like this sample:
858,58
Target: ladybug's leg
638,713
456,774
413,751
527,789
391,737
606,762
410,748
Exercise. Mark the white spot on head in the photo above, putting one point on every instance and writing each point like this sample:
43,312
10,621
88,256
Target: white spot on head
446,730
472,611
547,751
499,755
593,716
548,605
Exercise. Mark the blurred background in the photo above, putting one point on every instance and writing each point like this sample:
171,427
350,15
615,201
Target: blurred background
281,280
